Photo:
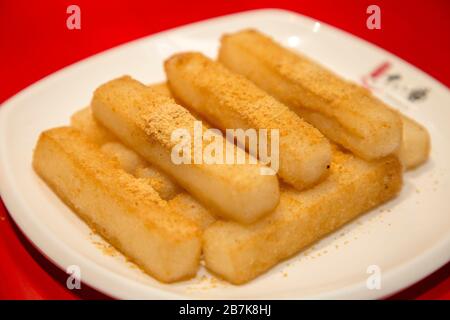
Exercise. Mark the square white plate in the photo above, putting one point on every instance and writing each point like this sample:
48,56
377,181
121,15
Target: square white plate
406,239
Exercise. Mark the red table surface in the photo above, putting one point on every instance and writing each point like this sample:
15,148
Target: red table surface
34,42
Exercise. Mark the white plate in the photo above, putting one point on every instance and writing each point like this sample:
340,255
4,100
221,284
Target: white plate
407,238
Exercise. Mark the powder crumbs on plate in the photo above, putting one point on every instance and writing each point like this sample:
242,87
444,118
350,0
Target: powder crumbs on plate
106,248
206,282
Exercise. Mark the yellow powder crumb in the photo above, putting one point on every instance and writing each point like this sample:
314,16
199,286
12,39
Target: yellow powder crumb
206,282
106,248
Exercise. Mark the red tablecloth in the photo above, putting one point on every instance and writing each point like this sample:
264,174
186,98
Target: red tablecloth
35,42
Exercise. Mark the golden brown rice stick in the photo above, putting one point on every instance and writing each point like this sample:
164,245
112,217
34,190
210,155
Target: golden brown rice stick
416,144
130,161
240,253
161,88
344,112
189,207
179,200
125,211
144,120
84,121
230,101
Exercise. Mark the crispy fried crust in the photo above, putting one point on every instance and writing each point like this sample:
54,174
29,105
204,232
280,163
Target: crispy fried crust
346,113
240,253
144,120
230,101
129,160
125,211
166,187
187,206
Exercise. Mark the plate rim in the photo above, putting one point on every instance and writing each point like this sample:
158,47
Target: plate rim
101,278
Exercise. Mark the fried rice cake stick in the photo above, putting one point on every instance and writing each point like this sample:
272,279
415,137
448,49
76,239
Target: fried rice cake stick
416,144
144,120
178,199
344,112
125,211
84,121
229,101
240,253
